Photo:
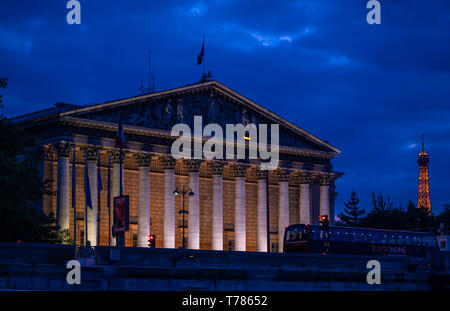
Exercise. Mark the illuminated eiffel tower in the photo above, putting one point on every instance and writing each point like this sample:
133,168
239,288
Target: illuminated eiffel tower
424,181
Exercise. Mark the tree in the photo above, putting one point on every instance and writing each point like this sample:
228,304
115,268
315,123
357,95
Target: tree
383,215
381,205
444,217
352,212
418,218
21,188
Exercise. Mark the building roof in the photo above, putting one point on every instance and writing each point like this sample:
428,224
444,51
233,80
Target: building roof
202,86
64,111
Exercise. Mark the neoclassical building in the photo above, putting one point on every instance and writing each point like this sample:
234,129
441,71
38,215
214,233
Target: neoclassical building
228,210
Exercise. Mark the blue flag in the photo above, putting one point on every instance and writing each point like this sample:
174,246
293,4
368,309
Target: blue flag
109,200
74,179
109,182
120,138
99,177
87,187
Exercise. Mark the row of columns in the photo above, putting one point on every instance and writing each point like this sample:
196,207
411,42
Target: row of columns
63,189
216,169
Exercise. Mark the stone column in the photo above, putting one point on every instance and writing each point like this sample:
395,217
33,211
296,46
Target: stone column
194,204
144,199
168,164
305,205
115,176
283,205
324,182
63,191
261,230
48,154
115,157
332,202
92,154
240,234
216,169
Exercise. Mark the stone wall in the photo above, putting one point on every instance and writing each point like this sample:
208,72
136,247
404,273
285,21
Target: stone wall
42,267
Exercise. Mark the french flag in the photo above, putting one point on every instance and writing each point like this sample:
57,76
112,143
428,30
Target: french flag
202,53
120,138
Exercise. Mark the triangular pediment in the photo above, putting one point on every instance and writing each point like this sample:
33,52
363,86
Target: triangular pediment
212,100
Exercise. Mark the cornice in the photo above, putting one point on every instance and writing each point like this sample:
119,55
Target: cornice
132,129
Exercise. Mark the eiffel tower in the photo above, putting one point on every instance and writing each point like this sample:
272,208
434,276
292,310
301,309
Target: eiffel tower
424,181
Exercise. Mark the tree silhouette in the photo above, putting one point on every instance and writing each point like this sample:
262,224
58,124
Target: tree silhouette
444,217
21,187
380,204
385,215
352,212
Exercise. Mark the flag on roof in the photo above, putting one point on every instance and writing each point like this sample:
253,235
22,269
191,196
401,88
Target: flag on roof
87,187
202,53
120,138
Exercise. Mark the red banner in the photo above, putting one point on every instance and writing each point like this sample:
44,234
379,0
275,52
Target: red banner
121,214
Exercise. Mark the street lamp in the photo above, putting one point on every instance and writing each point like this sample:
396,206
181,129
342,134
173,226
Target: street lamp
183,211
186,254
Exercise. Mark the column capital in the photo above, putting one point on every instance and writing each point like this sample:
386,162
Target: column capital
282,174
143,159
238,169
325,179
92,152
215,167
261,174
192,165
167,162
305,177
115,156
50,153
62,149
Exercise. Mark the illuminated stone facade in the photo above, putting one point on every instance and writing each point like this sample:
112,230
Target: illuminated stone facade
228,210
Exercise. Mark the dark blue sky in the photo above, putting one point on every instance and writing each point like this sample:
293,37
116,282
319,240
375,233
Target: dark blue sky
370,90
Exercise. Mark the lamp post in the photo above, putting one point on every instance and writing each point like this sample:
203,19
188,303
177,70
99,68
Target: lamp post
183,211
186,254
268,212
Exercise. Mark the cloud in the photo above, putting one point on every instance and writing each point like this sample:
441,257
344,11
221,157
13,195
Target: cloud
410,146
270,40
338,60
15,42
198,9
371,90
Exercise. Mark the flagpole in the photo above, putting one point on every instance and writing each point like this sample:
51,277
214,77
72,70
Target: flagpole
268,211
121,234
120,141
74,203
85,200
109,201
99,188
204,56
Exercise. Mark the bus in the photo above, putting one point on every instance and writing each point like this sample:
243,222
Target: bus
301,238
